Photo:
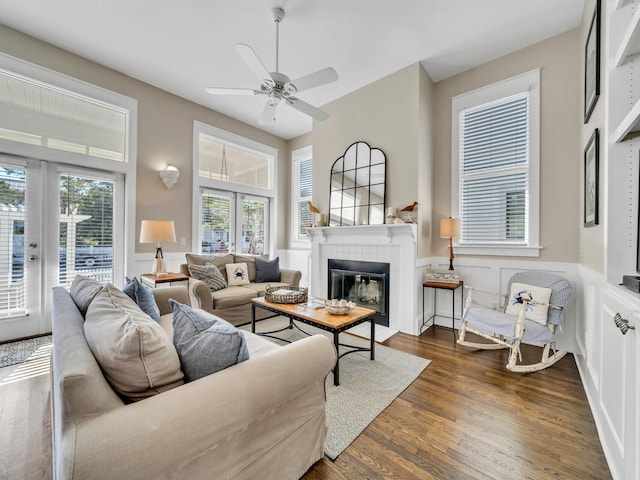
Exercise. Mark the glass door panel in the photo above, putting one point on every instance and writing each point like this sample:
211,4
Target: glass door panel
254,216
216,222
86,228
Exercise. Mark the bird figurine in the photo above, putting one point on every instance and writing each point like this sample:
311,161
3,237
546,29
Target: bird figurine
313,208
410,209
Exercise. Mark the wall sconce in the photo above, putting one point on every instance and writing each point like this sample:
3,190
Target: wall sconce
170,176
449,228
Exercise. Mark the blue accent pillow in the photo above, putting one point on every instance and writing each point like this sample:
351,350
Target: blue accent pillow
204,345
143,296
267,270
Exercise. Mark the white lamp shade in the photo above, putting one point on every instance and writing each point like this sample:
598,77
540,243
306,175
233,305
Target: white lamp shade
157,231
449,227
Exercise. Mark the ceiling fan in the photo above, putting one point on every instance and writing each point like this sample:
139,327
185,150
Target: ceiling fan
276,86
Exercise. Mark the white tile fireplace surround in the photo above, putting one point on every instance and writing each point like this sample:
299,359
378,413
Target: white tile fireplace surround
394,244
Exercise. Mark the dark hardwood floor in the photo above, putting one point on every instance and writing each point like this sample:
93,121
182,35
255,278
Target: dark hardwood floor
466,416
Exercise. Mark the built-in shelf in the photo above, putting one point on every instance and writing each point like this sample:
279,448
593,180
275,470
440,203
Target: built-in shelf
630,44
629,127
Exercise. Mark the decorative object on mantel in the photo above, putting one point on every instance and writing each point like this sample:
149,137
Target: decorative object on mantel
440,275
449,229
357,187
157,231
392,214
318,218
170,176
591,167
592,64
410,209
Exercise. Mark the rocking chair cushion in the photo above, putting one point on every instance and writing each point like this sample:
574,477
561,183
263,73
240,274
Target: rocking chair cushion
496,323
537,307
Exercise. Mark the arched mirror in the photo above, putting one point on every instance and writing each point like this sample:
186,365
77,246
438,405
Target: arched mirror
357,190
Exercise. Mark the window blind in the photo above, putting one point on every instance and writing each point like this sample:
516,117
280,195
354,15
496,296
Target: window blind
494,166
304,194
214,220
12,225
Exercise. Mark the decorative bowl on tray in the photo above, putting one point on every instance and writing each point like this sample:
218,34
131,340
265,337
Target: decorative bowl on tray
339,307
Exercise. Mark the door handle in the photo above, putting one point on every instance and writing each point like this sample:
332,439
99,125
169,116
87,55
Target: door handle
623,324
33,258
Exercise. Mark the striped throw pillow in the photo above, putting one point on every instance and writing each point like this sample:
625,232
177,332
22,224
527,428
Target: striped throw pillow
209,274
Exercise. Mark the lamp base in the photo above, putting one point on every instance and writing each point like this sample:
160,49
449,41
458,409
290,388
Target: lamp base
158,267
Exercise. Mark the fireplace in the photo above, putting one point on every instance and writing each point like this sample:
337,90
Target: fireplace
364,283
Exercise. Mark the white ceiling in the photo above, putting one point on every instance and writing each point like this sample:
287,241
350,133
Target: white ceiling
183,46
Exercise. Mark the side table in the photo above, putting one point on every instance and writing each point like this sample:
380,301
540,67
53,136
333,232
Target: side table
452,287
169,280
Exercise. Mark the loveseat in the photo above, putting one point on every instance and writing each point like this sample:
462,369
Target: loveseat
233,302
262,418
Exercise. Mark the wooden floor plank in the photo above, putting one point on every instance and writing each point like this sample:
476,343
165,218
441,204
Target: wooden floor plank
465,417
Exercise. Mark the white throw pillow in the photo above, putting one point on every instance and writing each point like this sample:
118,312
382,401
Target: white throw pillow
237,274
538,295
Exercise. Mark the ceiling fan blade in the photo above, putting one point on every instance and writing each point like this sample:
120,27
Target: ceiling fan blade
321,77
230,91
268,113
253,61
307,109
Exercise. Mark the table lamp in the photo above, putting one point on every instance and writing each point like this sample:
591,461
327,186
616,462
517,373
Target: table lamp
449,229
156,231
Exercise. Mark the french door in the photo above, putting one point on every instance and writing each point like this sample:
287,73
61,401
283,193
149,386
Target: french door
233,223
55,222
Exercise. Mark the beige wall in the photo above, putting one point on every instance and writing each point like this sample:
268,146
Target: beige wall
592,248
165,129
392,114
560,156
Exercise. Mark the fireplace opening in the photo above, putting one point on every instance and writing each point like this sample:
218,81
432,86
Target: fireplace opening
364,283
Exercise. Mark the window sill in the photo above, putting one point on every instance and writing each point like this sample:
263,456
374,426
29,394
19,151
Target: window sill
498,250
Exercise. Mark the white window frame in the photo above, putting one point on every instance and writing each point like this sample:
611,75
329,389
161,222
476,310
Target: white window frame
297,156
126,168
199,182
529,82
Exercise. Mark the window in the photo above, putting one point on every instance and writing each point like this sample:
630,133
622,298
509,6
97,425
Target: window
302,188
495,167
236,181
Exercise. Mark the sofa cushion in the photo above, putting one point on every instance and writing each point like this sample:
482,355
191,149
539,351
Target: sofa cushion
83,290
204,345
237,274
218,260
233,296
268,270
143,296
209,274
136,355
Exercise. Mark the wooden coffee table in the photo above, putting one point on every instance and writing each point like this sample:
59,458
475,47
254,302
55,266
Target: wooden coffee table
320,318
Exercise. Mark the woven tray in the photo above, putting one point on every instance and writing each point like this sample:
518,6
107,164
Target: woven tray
285,294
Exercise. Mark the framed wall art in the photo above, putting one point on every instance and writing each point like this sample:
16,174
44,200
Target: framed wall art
592,65
591,170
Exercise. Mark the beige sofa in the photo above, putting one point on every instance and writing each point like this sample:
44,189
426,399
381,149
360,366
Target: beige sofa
232,303
262,418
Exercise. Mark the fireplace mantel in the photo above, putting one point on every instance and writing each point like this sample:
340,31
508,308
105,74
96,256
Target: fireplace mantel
395,244
376,233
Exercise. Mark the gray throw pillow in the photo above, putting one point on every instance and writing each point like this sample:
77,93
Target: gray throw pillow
143,296
267,271
209,274
83,290
204,345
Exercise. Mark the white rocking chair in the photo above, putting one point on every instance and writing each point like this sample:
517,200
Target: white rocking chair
509,331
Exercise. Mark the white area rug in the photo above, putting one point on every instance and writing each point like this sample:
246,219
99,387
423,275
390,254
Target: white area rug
366,387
